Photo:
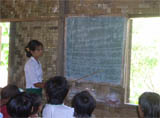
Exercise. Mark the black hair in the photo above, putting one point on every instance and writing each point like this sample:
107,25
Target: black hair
36,102
150,104
83,104
9,91
56,89
20,106
32,46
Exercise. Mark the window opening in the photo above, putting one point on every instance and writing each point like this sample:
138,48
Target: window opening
4,51
145,57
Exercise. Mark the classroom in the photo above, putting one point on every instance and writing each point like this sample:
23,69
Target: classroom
87,41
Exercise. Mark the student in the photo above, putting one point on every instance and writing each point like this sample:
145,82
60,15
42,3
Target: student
83,104
149,105
6,93
36,105
33,68
20,106
56,89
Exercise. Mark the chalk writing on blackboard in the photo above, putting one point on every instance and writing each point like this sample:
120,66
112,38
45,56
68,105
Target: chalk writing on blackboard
93,44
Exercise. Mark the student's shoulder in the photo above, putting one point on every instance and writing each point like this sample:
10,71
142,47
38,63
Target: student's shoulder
68,108
48,106
69,111
1,115
62,107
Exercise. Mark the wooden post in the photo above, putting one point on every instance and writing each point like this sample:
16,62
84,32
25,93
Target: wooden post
127,61
60,44
0,41
11,56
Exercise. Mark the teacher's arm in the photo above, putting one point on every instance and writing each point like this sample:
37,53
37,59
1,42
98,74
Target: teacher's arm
39,85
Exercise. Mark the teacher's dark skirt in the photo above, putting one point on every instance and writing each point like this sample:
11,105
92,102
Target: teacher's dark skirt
36,91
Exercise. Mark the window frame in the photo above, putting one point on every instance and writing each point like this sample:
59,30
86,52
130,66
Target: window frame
127,61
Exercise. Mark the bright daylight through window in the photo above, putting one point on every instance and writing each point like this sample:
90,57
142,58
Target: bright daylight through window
145,57
4,51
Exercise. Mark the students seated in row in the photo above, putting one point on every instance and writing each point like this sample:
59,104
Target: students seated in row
7,92
28,105
56,90
83,104
149,105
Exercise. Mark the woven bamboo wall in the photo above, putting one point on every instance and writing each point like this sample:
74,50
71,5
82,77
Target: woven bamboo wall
44,31
28,8
50,8
110,7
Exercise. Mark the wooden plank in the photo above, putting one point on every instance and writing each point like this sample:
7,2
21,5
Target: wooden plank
127,61
11,56
29,19
60,43
94,15
143,15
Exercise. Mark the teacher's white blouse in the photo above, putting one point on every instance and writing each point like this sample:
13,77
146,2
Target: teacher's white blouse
33,72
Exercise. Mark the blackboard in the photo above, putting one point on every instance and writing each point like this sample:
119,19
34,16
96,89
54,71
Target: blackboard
95,44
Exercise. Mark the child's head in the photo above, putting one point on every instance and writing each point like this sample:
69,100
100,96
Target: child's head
83,104
36,103
34,48
20,106
149,105
8,91
56,89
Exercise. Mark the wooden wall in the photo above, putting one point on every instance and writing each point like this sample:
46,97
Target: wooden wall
110,7
22,9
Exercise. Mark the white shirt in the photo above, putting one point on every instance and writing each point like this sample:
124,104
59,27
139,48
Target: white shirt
33,72
1,115
57,111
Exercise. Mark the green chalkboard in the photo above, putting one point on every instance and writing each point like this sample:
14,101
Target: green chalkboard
95,44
